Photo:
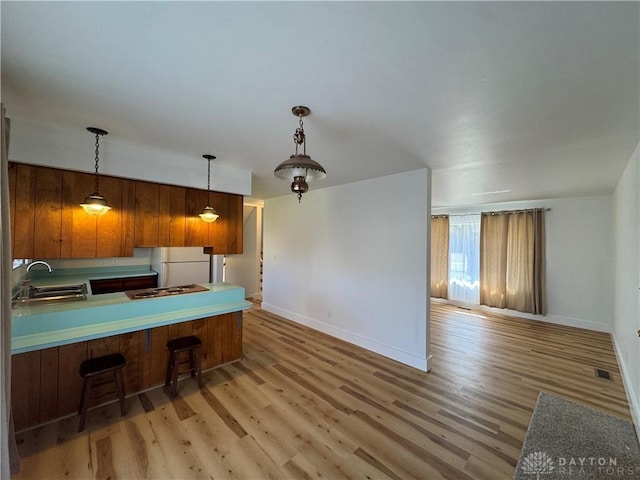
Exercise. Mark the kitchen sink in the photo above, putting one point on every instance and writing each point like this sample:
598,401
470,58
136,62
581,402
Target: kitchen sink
47,294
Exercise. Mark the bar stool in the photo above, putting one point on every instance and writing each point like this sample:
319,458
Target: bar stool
176,348
89,369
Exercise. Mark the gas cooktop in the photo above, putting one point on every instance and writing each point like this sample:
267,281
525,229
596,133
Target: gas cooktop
164,291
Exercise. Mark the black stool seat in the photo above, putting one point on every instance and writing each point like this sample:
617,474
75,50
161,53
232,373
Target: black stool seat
175,348
98,365
183,343
92,367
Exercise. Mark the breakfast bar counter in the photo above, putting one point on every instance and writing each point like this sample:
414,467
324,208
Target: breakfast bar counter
49,342
45,326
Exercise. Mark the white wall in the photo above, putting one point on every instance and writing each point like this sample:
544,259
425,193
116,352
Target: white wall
579,253
352,261
244,270
626,311
41,143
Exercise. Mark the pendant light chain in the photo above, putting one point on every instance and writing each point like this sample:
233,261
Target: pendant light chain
208,181
299,138
209,175
97,157
304,138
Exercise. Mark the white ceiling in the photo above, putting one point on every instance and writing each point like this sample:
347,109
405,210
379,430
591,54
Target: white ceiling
525,100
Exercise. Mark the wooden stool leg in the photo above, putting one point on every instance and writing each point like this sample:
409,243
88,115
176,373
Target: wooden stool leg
170,360
84,403
192,362
120,388
174,379
197,366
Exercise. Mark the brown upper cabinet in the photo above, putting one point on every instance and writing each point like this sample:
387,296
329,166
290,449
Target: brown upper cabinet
36,204
22,197
87,236
81,230
147,215
48,222
225,234
172,215
196,231
235,223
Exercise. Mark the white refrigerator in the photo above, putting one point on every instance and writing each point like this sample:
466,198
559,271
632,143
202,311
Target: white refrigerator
186,265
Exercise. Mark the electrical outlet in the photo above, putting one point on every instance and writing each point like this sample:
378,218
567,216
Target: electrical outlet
114,261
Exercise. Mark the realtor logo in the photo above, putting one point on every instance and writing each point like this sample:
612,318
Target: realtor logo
537,463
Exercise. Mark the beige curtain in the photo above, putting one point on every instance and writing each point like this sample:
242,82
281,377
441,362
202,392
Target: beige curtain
512,260
10,462
493,260
440,256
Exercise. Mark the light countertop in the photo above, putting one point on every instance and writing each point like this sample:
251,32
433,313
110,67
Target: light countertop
44,326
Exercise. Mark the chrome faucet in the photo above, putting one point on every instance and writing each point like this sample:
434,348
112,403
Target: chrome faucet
40,262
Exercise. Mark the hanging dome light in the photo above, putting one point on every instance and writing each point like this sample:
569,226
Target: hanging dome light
209,213
95,204
300,168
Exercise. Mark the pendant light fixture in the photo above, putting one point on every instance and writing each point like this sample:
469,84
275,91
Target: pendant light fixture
95,204
300,168
209,213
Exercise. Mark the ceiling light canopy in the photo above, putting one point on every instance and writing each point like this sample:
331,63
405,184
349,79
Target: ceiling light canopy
209,213
300,168
95,204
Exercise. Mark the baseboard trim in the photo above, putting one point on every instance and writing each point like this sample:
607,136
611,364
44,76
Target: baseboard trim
555,319
634,406
373,345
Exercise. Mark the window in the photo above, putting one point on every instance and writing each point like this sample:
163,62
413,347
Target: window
464,258
18,262
494,258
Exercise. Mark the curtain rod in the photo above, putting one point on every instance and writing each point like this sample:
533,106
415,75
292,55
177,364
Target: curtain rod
488,213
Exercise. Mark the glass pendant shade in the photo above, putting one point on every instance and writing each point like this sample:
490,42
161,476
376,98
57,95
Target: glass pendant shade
299,165
209,214
95,205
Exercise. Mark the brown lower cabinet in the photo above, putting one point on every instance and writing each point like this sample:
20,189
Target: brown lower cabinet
45,384
122,284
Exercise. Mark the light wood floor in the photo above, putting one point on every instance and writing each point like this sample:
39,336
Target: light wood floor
304,405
